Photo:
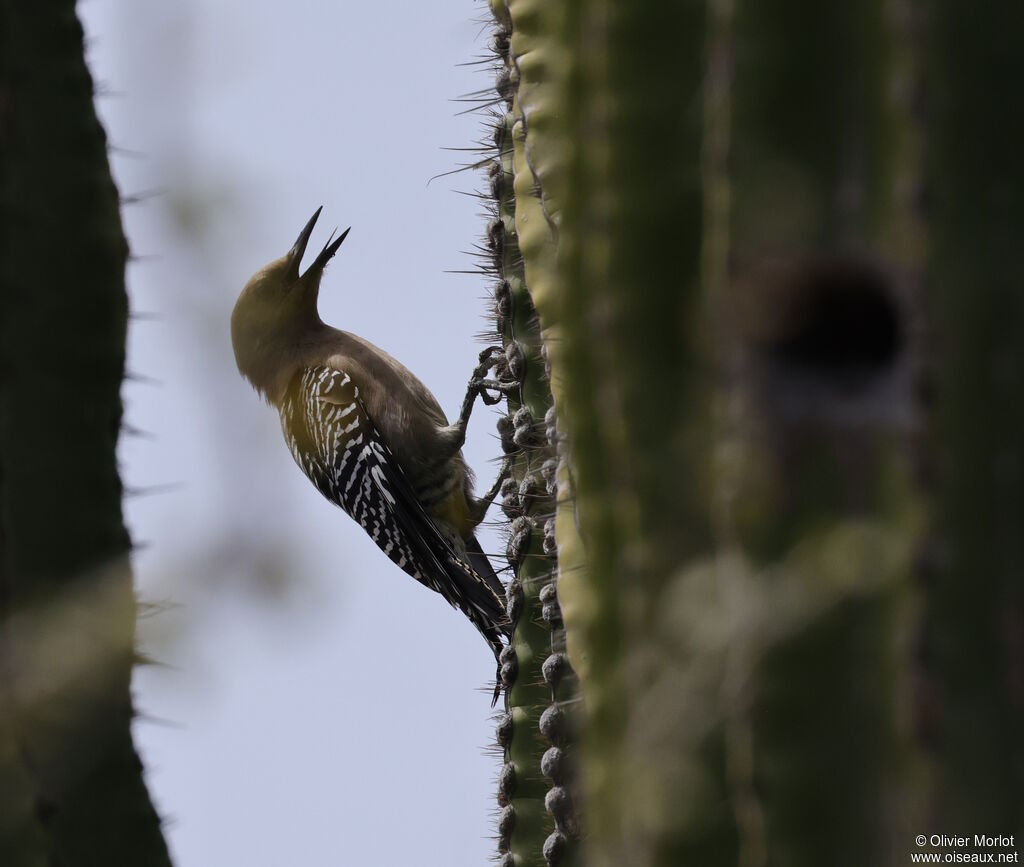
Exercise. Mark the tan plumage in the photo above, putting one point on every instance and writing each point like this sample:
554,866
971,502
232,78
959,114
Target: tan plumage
368,433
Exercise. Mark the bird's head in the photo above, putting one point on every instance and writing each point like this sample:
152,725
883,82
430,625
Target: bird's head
277,308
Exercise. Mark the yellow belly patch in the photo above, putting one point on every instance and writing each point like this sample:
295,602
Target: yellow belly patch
454,510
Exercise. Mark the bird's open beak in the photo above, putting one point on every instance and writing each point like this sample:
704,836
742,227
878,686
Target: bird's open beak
299,248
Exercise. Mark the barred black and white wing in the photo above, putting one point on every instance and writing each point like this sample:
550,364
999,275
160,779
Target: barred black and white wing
336,444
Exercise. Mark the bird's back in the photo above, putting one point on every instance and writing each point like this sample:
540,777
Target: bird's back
336,443
408,419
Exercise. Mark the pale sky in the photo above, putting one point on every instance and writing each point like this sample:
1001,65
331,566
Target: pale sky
314,705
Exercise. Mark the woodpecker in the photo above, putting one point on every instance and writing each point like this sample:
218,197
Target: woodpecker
369,435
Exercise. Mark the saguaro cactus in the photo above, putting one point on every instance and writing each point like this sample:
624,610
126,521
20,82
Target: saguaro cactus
71,787
536,786
970,704
765,351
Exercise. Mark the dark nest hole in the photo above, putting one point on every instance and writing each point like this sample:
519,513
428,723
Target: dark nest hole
835,318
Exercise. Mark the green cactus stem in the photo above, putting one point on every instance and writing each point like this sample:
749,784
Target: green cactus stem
773,253
536,786
71,786
970,705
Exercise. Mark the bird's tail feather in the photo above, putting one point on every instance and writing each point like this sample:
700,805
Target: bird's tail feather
482,566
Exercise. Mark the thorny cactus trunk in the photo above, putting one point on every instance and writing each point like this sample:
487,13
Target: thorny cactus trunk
71,787
538,820
770,253
970,702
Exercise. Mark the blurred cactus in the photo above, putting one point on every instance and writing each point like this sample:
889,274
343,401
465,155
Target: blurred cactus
784,392
970,702
71,786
